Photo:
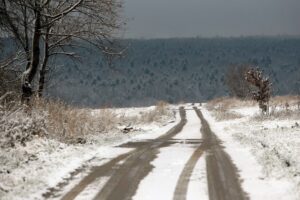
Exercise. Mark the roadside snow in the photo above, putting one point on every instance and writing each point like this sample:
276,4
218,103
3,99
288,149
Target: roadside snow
246,111
27,171
266,153
127,112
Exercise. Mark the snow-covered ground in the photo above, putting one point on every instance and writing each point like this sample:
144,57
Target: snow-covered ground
266,150
162,180
27,171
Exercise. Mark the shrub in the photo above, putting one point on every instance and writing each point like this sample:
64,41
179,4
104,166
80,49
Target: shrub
157,114
263,85
235,81
57,120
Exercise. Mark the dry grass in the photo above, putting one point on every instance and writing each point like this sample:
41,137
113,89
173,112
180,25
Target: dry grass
226,103
286,102
222,115
57,120
221,107
67,122
279,115
157,114
18,125
281,107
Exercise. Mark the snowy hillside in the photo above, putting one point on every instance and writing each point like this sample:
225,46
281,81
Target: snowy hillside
262,151
173,70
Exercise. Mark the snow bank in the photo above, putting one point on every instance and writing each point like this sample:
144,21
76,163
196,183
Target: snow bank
266,153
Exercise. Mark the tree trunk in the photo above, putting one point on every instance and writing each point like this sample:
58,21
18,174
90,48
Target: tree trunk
44,65
29,74
42,79
35,47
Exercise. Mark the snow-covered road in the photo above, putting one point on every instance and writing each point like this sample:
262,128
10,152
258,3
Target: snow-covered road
163,181
172,166
187,162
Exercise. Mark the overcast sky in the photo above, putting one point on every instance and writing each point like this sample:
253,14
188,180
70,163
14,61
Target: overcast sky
209,18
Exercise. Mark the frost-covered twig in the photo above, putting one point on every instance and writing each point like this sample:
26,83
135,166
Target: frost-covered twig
3,97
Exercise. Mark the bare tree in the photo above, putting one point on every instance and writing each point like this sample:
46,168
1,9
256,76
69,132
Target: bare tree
10,76
57,24
255,77
235,81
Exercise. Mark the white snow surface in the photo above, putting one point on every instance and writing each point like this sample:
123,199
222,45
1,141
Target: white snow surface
260,149
192,129
198,188
162,180
266,153
247,111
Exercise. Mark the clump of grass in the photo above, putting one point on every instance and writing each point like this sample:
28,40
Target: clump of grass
18,126
281,107
284,107
229,103
278,113
57,120
221,107
67,122
290,99
52,119
63,121
106,120
160,111
222,113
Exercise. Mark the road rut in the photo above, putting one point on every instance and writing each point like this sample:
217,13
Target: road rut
222,176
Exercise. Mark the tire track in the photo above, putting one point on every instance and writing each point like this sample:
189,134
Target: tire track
96,173
131,173
222,175
125,178
181,189
184,179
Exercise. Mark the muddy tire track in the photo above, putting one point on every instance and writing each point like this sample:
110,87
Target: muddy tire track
184,178
222,175
126,180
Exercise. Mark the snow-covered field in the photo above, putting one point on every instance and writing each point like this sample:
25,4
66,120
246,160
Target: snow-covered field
27,171
266,150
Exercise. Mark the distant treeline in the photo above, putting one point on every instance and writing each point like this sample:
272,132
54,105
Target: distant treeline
173,70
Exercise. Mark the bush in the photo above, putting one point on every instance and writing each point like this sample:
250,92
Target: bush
263,88
235,81
17,126
228,103
54,119
157,114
